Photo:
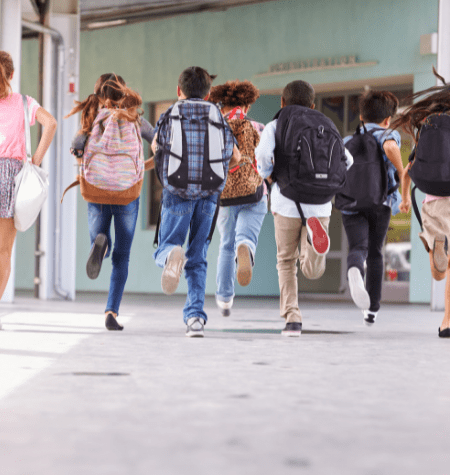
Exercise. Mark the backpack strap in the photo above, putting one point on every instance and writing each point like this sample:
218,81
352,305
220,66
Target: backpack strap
302,215
234,112
415,207
214,221
158,225
72,185
215,135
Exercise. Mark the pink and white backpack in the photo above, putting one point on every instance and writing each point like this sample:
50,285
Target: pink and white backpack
112,167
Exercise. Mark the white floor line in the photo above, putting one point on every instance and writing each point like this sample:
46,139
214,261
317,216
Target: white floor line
31,341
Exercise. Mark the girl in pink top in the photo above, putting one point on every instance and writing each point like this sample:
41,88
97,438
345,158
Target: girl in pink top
435,212
12,154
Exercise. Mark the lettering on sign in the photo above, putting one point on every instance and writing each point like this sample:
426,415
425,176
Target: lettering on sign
316,65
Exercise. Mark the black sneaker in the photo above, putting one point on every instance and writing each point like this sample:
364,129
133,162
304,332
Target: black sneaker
111,322
369,317
195,327
95,259
292,329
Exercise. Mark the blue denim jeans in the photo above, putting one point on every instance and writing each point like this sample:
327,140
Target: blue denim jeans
178,217
237,224
99,221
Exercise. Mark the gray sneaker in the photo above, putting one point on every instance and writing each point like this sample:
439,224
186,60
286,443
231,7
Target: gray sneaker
172,270
195,327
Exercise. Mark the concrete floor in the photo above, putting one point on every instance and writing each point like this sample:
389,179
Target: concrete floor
342,399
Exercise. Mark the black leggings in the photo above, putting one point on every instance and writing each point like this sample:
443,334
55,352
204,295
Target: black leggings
366,232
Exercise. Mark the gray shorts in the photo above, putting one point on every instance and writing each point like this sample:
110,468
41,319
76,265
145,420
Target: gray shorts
9,168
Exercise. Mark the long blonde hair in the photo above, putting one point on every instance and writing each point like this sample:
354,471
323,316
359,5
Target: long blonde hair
6,70
110,91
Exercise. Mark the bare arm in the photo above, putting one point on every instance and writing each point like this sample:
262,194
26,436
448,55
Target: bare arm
392,152
153,146
49,123
405,205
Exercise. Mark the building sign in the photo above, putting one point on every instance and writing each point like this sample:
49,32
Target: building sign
316,65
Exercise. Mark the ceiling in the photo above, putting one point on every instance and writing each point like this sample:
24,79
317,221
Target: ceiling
98,13
109,13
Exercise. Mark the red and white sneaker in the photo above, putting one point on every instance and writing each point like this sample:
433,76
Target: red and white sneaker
317,236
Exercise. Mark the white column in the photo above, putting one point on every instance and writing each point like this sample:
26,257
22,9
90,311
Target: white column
443,68
58,269
11,41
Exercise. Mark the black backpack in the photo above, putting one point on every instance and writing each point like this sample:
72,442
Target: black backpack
367,179
430,169
310,164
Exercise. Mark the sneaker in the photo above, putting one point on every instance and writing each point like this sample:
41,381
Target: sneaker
172,270
369,317
244,265
195,327
292,329
96,256
111,322
225,307
317,236
357,290
440,248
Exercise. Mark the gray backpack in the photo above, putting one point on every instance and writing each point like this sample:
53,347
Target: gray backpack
195,145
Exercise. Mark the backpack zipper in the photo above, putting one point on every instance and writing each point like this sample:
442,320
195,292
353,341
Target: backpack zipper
331,153
310,155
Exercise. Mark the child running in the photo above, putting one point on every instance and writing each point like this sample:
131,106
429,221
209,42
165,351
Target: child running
301,223
12,153
112,169
428,122
367,227
243,202
193,146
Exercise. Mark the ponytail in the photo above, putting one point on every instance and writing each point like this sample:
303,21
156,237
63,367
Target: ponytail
89,110
6,70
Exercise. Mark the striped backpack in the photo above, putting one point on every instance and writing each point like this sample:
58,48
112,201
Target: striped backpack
112,167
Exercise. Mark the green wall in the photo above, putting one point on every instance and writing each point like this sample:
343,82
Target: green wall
240,43
25,241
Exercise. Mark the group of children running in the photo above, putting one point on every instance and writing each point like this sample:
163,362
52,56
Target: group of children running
218,166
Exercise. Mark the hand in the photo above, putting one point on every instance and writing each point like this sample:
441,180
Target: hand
36,161
269,180
76,153
149,164
405,206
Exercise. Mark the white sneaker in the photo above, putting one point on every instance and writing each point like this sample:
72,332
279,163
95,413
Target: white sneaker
357,290
173,268
369,317
195,327
225,307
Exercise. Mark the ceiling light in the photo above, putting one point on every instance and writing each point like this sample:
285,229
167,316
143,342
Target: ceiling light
104,24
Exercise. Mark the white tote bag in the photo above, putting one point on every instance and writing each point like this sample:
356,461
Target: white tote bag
31,185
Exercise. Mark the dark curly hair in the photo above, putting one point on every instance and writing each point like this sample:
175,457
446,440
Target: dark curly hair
234,93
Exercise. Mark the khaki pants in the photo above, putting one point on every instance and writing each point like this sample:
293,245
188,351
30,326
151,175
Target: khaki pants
289,234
